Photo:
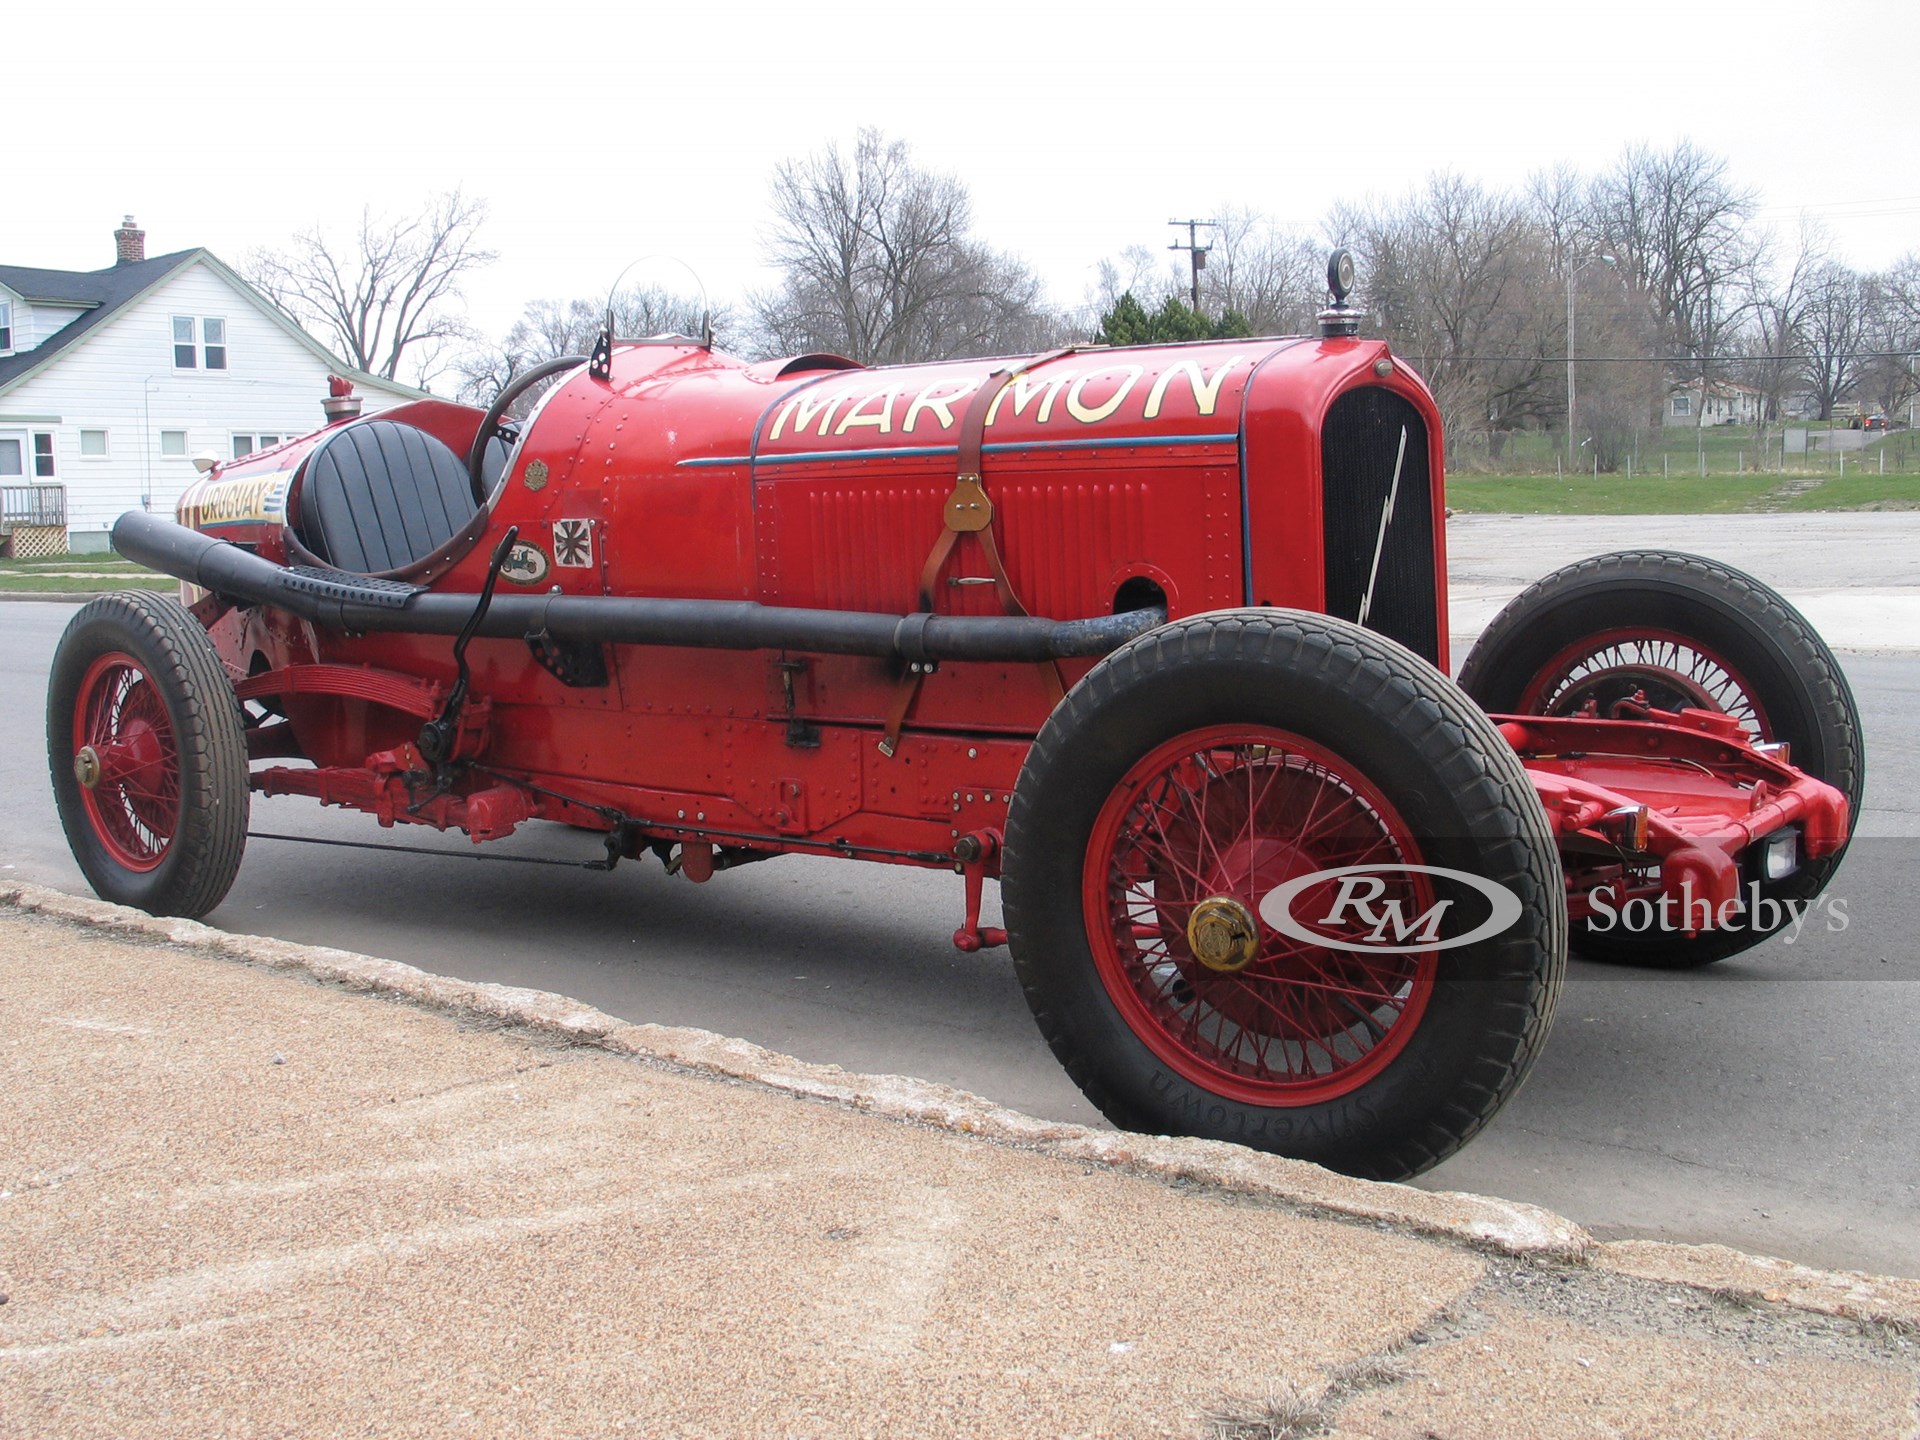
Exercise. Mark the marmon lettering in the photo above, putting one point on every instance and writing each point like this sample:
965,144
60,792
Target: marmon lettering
1038,395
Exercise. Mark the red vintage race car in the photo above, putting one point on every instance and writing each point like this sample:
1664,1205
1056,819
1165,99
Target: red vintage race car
1156,637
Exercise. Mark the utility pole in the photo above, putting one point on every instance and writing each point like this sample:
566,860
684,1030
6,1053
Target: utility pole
1573,277
1196,252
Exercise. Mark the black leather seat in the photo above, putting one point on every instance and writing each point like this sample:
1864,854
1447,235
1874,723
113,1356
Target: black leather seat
380,496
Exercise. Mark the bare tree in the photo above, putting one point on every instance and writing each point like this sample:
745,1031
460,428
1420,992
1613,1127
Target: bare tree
1833,333
1618,393
1560,202
549,329
1457,278
391,287
1890,375
1678,224
1139,271
1773,345
1271,277
878,263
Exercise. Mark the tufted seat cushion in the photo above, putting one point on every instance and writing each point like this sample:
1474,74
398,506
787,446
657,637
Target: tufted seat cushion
380,496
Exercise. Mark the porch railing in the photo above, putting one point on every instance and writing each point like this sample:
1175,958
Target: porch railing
32,505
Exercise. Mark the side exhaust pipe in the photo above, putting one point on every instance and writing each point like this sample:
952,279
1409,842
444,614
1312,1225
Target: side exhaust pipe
341,601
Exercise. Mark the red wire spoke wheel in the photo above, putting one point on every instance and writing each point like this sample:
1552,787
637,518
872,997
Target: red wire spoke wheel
1649,666
1187,846
1176,882
147,756
127,761
1680,630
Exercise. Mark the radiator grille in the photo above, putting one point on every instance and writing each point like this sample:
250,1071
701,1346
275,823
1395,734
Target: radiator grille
1358,446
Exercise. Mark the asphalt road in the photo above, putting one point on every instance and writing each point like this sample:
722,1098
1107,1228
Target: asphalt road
1766,1103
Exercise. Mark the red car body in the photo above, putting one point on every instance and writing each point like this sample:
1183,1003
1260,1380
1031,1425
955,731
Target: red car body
735,610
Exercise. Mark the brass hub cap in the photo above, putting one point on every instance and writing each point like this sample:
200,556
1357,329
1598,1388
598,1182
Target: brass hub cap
86,767
1223,934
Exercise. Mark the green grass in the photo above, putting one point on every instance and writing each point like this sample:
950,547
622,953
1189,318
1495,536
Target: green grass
77,585
1859,492
1682,495
104,561
1742,474
1608,495
78,575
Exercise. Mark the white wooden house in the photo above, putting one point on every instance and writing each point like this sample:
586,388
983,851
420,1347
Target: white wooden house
112,380
1722,402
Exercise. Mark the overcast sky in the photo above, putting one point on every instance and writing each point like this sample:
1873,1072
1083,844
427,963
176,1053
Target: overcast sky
602,134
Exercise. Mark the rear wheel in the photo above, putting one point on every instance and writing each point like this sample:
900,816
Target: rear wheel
1245,868
147,756
1672,631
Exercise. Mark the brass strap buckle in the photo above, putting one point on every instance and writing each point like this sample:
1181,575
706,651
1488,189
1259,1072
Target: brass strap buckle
969,511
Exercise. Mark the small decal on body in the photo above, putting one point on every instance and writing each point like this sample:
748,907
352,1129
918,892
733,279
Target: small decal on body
573,543
534,477
527,564
248,500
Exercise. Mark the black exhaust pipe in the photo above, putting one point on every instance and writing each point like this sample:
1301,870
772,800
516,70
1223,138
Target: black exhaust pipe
341,601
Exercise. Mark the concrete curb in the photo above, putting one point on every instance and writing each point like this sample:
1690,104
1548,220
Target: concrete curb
1481,1222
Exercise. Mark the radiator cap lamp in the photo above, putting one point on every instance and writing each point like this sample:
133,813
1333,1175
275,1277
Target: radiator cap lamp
1340,319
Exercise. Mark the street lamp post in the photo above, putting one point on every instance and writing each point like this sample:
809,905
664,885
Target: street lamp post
1573,277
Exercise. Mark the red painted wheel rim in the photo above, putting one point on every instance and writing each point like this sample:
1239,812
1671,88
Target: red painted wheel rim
1234,811
134,806
1665,664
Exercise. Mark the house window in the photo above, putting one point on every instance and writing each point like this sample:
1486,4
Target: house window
244,445
6,326
173,444
43,455
199,341
12,457
1682,405
93,444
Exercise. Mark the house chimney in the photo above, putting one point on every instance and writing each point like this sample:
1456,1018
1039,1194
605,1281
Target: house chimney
129,244
341,403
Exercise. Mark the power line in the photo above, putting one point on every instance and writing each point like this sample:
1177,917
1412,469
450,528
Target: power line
1876,201
1694,361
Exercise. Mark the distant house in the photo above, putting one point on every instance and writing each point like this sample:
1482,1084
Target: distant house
112,380
1722,402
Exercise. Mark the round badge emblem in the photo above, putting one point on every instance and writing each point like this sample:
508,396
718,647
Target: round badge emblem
535,475
525,565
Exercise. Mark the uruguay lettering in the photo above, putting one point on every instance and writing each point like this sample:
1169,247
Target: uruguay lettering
249,500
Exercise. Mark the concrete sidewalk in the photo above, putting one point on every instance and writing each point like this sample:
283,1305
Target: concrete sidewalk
238,1198
1855,575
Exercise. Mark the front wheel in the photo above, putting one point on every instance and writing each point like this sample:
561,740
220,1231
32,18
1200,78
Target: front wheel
1672,631
1270,878
147,756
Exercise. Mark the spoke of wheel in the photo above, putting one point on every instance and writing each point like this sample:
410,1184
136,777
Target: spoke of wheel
1251,835
1166,848
1375,1030
1199,814
1287,1018
1330,987
1345,805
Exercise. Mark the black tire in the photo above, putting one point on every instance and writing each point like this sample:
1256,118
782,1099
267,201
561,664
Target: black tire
1437,765
1788,686
163,824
